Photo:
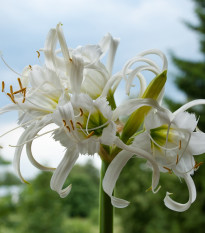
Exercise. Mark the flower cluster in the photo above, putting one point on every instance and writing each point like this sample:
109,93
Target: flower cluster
75,91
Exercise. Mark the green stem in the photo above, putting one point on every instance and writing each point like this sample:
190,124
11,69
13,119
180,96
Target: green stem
106,208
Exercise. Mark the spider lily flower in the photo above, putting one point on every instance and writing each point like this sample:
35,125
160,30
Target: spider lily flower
95,74
38,94
172,140
84,124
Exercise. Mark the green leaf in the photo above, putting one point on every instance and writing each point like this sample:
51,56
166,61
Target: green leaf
136,119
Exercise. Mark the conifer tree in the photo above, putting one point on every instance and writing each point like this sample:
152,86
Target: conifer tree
191,76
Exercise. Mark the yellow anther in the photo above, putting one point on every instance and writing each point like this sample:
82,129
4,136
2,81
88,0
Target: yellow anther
38,54
72,124
64,122
11,91
20,84
81,111
11,97
68,128
24,95
177,159
3,86
70,59
78,123
168,169
30,67
91,134
198,164
19,91
180,144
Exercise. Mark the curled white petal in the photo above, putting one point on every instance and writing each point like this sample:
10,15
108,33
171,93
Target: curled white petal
117,165
142,154
62,172
112,81
189,105
30,154
130,106
136,72
112,175
18,152
173,205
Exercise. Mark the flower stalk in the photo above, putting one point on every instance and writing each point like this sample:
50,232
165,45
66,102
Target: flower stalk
106,209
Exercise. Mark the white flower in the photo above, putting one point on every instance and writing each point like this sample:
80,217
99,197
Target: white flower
172,140
95,74
84,124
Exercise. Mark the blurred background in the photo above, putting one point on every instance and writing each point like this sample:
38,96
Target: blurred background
175,27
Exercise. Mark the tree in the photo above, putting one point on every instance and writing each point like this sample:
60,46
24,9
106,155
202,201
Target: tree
42,210
191,74
7,203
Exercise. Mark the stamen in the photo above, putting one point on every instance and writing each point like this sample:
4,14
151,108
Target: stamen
20,84
70,59
24,96
180,144
78,123
39,135
8,65
72,124
177,159
68,128
81,112
11,91
168,169
64,122
11,97
38,54
3,86
91,134
19,91
30,67
28,122
197,165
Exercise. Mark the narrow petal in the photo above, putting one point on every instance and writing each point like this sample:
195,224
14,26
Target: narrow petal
189,105
112,175
8,108
111,82
135,150
130,106
18,152
30,154
173,205
23,138
63,44
49,49
62,171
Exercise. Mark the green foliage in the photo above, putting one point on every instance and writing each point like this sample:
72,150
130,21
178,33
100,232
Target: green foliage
84,194
39,209
147,212
190,78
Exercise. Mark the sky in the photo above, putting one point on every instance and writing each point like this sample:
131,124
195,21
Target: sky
140,25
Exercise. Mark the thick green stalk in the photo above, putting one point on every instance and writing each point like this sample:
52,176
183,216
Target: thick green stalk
106,209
